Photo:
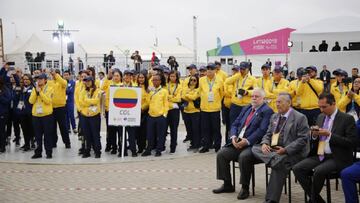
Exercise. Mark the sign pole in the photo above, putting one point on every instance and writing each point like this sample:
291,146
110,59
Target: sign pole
123,142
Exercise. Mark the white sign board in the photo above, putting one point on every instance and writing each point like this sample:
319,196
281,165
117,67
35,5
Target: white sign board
124,106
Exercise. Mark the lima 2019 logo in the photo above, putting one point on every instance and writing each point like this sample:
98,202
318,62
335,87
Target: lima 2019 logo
125,98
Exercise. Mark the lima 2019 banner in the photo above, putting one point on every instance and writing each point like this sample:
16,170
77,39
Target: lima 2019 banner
124,106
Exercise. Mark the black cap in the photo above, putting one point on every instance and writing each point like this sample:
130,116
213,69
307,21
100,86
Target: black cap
217,63
339,71
244,65
41,76
202,68
235,67
159,67
300,71
267,66
211,66
88,78
128,72
277,69
313,68
191,66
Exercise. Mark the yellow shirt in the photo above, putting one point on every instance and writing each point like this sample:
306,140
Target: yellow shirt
247,83
42,103
158,102
308,99
174,95
90,103
228,91
217,90
189,95
222,74
344,101
59,86
293,86
339,92
274,91
144,101
265,84
107,94
79,86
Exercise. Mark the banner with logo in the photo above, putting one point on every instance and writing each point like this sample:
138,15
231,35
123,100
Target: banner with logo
124,106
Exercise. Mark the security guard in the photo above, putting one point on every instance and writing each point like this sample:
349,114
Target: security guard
59,86
211,89
191,103
114,132
90,102
158,110
143,82
278,85
243,84
174,98
309,90
43,121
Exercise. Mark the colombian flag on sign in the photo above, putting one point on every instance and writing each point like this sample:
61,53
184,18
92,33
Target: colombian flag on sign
125,98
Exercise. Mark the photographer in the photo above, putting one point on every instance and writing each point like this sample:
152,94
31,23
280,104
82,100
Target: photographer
341,87
350,103
173,63
308,92
137,60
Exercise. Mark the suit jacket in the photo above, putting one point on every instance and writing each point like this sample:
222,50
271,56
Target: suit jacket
343,138
257,126
296,135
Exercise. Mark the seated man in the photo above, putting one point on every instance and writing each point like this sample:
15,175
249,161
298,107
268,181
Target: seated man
284,144
247,130
335,138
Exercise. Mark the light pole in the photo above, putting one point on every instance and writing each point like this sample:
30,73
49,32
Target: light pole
64,36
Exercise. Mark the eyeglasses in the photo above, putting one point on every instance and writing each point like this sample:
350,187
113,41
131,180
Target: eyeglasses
193,80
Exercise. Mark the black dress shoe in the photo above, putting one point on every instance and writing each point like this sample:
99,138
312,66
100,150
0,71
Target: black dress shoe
113,151
36,156
134,154
186,139
107,149
97,155
86,155
26,148
146,153
49,156
68,146
243,194
217,149
157,154
172,151
224,189
203,150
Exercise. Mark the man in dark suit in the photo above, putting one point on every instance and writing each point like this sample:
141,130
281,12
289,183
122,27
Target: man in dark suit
334,138
284,144
247,130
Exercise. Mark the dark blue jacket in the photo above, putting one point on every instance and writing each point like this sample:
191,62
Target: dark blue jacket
23,96
3,74
5,99
70,92
258,124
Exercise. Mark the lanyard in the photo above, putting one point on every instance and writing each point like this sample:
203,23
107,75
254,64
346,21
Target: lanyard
273,85
243,83
210,84
341,89
155,92
174,89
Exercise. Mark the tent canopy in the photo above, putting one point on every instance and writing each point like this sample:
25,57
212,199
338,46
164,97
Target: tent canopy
34,44
336,28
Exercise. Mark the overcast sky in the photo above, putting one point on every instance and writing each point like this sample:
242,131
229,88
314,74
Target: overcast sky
128,22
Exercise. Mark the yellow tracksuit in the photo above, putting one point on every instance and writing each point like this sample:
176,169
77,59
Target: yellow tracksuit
344,101
308,99
174,94
217,89
90,103
42,103
274,91
59,86
190,94
158,102
238,81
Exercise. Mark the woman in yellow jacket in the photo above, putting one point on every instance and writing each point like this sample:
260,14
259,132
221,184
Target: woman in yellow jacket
79,87
351,102
174,91
191,103
42,112
143,83
339,89
158,110
113,131
90,102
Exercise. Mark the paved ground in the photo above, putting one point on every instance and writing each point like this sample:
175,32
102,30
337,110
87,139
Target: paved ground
183,177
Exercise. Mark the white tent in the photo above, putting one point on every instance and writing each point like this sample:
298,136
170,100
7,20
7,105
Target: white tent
342,29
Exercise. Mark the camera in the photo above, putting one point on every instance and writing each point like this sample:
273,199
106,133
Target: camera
347,80
241,92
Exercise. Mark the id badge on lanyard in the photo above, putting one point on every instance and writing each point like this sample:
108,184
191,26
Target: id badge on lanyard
242,132
211,97
93,109
321,147
20,105
275,139
39,109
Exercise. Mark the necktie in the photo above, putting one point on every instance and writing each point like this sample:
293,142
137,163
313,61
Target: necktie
248,119
323,138
282,119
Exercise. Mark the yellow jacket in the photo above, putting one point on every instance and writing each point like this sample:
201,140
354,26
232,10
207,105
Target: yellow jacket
59,86
107,94
174,95
344,101
90,103
144,101
158,102
308,99
274,92
293,86
42,102
228,91
79,86
222,74
247,83
335,90
189,95
204,90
